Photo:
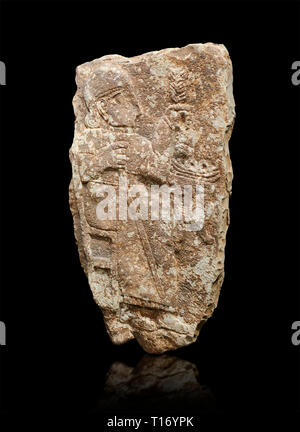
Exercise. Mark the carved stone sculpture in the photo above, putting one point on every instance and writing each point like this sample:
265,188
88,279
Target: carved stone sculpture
150,189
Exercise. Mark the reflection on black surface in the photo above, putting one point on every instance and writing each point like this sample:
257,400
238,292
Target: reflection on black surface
156,383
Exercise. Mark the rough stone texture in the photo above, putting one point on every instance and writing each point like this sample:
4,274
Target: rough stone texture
155,383
162,118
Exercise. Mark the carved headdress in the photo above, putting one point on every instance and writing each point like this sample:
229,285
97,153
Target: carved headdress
106,82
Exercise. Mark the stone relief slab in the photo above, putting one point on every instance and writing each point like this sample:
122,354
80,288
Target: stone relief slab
150,189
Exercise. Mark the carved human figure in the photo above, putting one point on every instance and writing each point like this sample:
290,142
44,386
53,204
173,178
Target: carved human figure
115,153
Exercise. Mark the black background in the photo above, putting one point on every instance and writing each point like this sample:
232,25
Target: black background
57,351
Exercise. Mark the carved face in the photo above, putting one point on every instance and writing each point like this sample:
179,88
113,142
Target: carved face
120,109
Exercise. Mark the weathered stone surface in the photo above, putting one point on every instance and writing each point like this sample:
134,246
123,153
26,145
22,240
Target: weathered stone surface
159,120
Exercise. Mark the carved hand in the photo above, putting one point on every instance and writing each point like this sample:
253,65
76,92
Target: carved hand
115,155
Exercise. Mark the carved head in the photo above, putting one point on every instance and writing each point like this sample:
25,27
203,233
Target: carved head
109,96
